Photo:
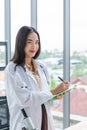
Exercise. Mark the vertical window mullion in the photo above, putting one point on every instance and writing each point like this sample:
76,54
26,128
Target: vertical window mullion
34,13
8,26
66,65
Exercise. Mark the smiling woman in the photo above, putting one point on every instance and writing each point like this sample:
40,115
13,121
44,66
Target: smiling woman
26,83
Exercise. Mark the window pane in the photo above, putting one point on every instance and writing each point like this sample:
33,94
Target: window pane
1,20
20,16
78,98
3,63
3,103
50,27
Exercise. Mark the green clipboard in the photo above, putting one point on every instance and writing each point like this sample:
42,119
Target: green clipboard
72,87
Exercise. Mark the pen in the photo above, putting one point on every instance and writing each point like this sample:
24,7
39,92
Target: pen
60,78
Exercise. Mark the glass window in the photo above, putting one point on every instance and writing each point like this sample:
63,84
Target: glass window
78,66
2,48
20,16
3,105
50,27
1,20
3,63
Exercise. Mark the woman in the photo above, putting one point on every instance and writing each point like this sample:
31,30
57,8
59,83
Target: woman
26,82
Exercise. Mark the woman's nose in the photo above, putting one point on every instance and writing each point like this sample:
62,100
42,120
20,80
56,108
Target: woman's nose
34,45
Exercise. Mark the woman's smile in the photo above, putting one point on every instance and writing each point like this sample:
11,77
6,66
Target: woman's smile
32,51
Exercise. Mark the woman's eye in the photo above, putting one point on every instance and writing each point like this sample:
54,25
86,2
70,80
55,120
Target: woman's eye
37,42
29,42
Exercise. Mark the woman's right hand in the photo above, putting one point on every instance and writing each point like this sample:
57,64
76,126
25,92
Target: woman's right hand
61,87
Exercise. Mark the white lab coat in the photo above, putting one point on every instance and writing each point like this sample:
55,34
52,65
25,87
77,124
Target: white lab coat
22,92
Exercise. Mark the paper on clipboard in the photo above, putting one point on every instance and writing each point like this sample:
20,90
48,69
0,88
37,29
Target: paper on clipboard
71,88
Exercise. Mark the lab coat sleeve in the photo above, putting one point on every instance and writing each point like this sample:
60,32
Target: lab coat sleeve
22,96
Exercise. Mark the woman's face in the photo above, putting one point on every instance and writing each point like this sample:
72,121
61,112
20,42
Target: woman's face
32,45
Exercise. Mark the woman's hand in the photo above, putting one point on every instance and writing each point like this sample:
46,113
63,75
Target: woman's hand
61,87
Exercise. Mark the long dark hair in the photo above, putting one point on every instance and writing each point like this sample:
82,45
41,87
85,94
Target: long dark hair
19,54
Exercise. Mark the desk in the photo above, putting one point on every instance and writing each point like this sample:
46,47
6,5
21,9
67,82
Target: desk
79,126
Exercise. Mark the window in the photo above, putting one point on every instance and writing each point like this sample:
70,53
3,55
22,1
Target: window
20,16
50,27
1,20
78,66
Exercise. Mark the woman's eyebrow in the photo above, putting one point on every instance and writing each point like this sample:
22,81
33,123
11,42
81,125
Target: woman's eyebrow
29,40
32,40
